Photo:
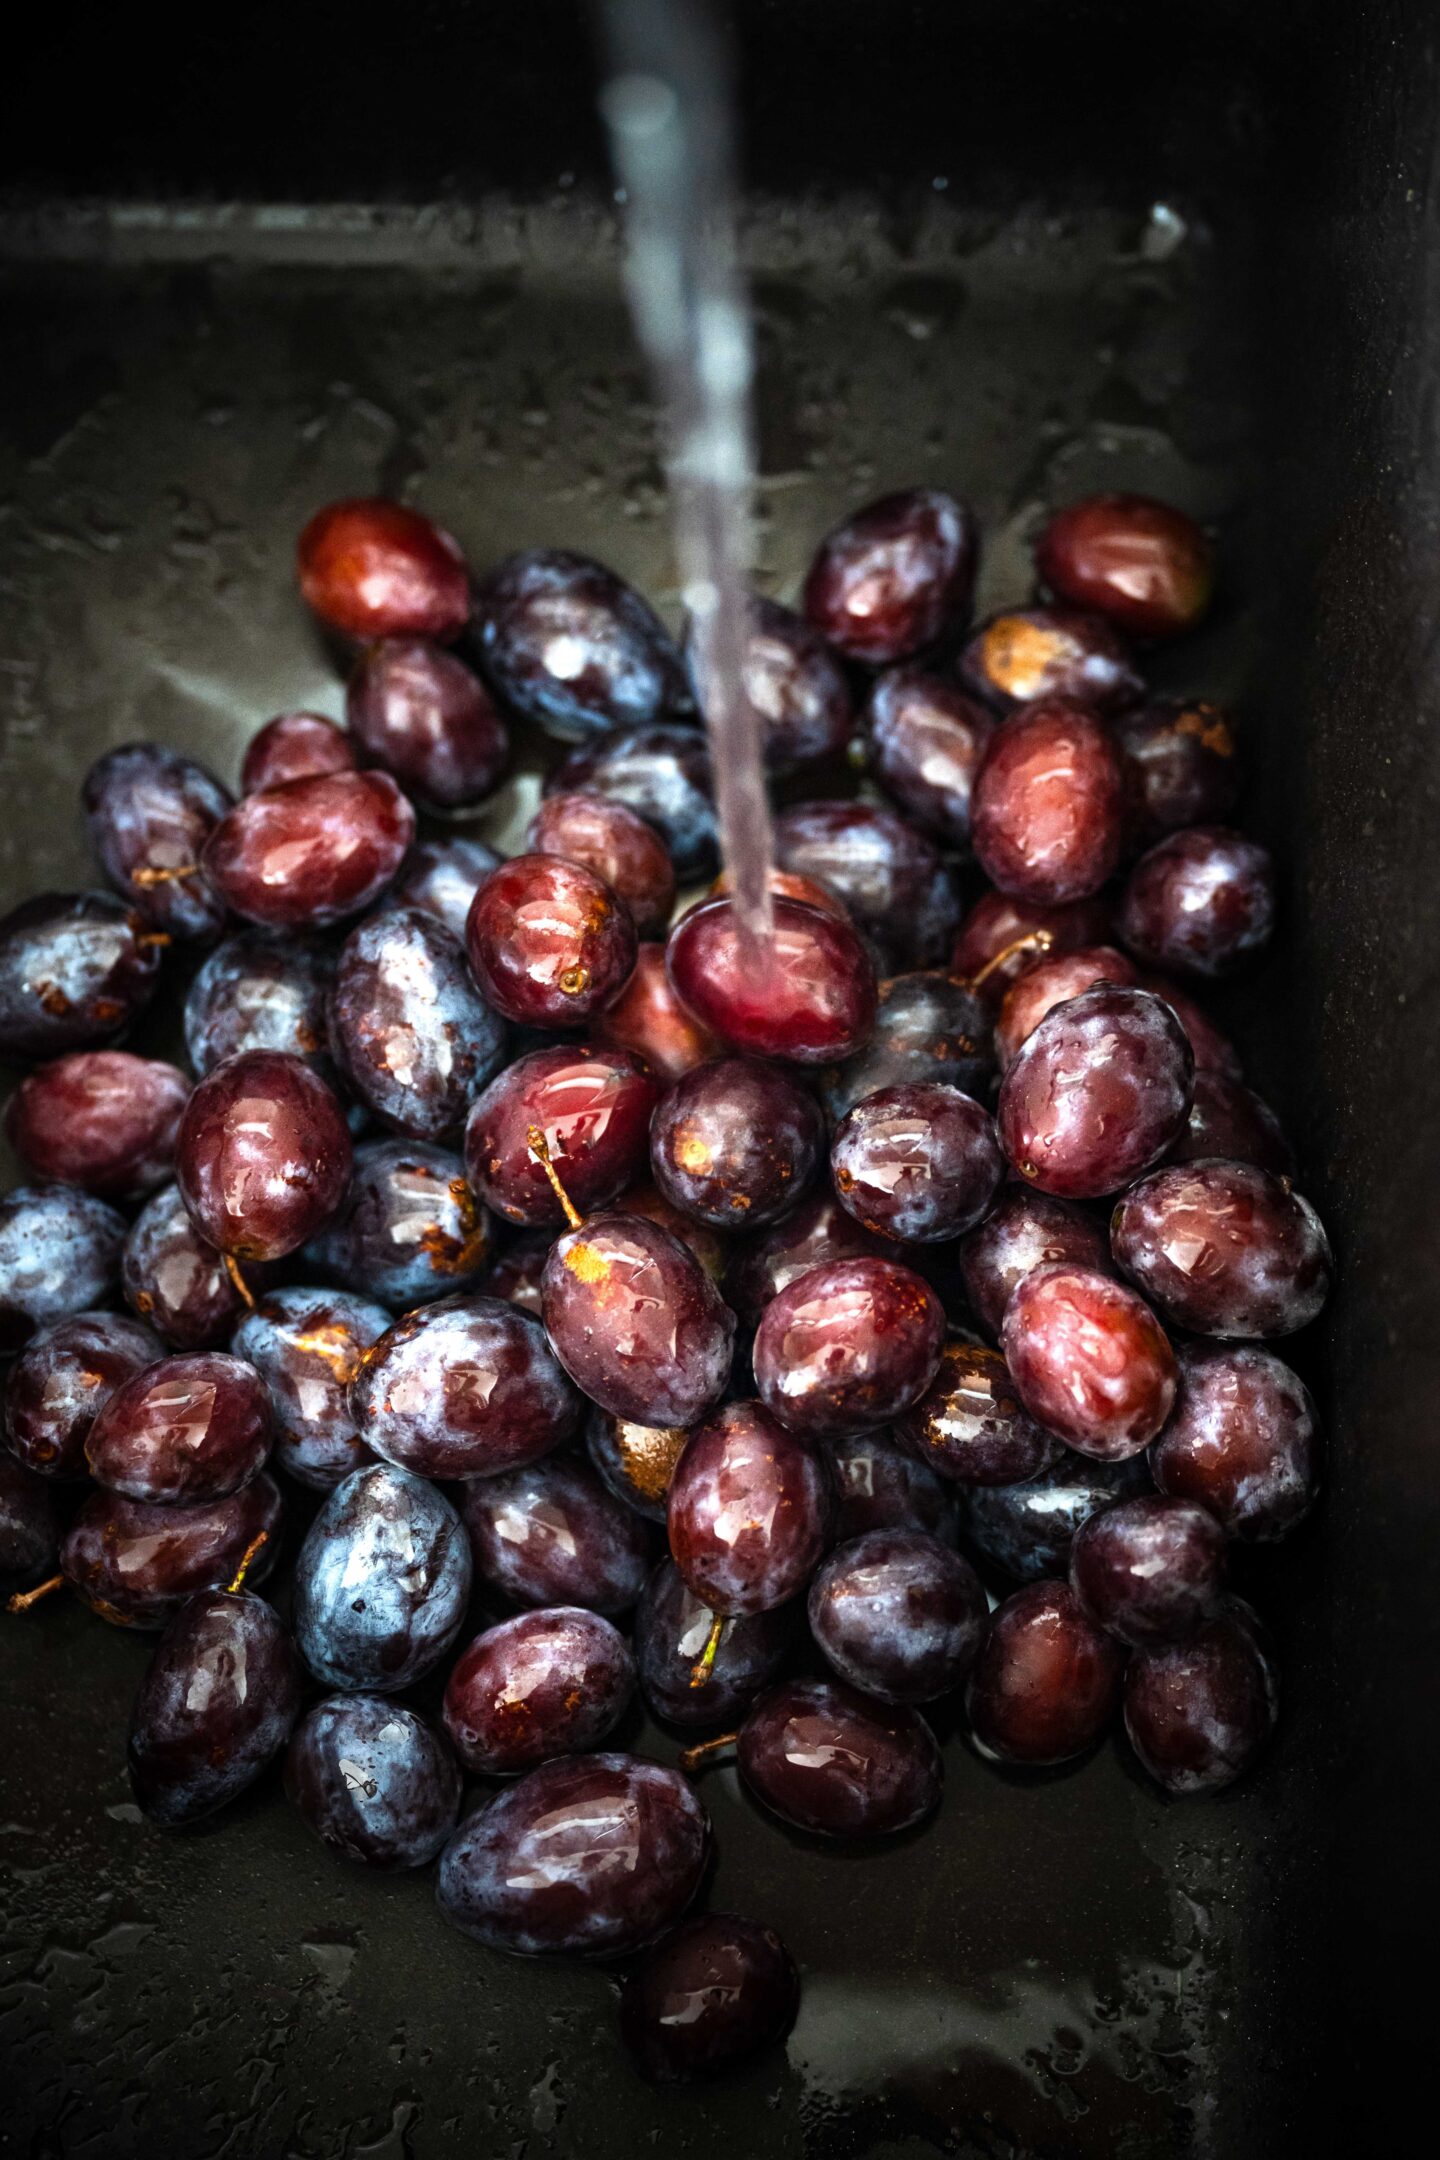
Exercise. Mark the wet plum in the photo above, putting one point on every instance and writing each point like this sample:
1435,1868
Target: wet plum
371,568
307,1345
215,1708
59,1254
381,1583
550,1534
101,1119
75,969
828,1759
374,1780
588,1856
311,852
421,713
463,1389
898,1614
408,1230
263,1156
1046,1683
895,577
149,813
546,1683
574,648
408,1029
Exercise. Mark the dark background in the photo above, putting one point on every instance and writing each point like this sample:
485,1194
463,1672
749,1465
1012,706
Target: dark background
253,262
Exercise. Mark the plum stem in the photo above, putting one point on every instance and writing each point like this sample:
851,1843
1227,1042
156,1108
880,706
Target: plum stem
24,1599
694,1758
1036,941
536,1142
232,1269
237,1580
704,1665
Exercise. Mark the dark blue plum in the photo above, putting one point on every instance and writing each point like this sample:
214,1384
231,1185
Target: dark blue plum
374,1780
588,1856
929,1026
216,1706
879,1487
464,1389
889,877
573,647
443,877
672,1631
59,1254
306,1346
259,993
382,1582
63,1379
796,686
149,812
898,1614
408,1028
1027,1529
409,1229
75,969
29,1524
175,1280
664,774
550,1534
545,1683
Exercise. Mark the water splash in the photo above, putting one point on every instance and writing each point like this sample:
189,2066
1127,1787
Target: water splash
668,105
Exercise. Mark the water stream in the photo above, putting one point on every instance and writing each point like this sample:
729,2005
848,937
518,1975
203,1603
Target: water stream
668,105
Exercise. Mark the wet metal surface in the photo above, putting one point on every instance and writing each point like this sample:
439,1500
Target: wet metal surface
1054,1968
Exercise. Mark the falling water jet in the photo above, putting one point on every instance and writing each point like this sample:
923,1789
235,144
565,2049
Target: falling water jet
668,105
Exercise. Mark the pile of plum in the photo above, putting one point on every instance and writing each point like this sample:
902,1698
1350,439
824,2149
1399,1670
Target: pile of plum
588,1268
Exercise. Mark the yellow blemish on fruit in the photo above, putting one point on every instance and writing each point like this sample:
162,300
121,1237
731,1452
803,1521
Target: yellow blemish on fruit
587,1265
1016,655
